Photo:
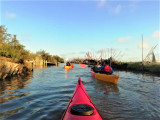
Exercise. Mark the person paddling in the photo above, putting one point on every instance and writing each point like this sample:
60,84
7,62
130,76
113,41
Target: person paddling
107,69
99,67
68,64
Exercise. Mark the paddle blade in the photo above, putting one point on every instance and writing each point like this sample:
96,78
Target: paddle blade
82,65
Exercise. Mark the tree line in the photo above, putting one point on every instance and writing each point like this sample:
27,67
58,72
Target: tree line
11,48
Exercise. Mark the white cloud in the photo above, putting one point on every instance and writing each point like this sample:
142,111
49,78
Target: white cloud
133,5
156,34
10,15
114,8
110,6
101,3
124,39
145,46
118,9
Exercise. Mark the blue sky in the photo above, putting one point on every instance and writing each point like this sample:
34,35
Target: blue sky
72,28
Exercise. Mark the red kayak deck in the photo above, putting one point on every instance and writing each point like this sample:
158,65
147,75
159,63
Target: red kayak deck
80,96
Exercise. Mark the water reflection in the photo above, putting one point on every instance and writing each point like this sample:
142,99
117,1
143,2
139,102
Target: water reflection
9,88
46,95
66,72
108,88
150,78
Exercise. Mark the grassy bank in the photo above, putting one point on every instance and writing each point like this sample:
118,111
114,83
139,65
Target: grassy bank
149,68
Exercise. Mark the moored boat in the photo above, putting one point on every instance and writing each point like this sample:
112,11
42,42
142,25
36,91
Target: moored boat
80,106
105,77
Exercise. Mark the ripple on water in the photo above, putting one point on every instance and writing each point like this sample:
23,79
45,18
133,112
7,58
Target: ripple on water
45,95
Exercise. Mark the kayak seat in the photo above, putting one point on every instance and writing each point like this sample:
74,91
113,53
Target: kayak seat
82,110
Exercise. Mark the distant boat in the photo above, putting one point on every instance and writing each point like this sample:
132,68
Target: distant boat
69,67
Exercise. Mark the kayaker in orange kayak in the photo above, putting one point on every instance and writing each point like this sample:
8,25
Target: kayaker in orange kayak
68,64
105,68
98,64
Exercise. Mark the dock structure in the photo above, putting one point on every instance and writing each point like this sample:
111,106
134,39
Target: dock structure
38,61
51,64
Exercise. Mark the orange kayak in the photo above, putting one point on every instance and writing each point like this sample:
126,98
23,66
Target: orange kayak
69,67
105,77
82,65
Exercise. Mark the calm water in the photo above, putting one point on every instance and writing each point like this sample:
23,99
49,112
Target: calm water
44,95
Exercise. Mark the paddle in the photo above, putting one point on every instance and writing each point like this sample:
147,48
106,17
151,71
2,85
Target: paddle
83,65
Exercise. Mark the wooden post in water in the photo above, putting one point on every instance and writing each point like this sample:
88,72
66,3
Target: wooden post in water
46,62
108,53
111,57
142,49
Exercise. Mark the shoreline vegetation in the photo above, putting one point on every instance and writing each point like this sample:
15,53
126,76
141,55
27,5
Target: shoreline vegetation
151,68
16,60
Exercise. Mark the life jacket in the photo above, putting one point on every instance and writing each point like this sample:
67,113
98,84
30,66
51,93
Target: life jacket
107,68
72,65
100,68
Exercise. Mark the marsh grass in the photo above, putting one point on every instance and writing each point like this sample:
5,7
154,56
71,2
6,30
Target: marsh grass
135,66
150,67
154,68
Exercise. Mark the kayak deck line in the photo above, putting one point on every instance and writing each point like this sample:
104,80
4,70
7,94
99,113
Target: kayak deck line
80,106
